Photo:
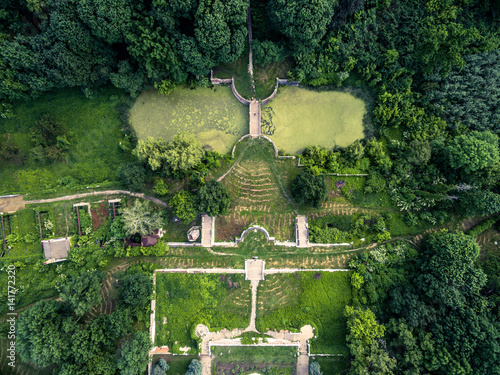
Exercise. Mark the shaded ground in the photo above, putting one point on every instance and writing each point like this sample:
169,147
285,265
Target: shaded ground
298,117
214,115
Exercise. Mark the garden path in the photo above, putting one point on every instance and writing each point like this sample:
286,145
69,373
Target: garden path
302,231
102,192
207,230
255,125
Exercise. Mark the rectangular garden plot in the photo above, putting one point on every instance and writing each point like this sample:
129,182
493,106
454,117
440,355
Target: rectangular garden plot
185,300
253,359
290,301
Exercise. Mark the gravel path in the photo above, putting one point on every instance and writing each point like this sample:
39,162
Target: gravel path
103,192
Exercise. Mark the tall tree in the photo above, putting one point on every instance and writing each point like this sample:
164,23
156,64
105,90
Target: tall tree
134,355
213,199
302,22
140,218
82,291
308,189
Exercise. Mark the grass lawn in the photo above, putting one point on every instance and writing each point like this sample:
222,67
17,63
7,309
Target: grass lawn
248,359
331,365
93,126
178,364
290,301
297,118
185,300
214,115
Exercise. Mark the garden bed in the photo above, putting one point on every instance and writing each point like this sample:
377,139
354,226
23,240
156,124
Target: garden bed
250,359
185,300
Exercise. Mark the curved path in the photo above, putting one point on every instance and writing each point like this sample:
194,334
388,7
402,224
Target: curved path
103,192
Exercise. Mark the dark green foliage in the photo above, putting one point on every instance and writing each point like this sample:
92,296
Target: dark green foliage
308,189
267,52
439,320
161,368
470,96
82,291
479,202
132,175
213,199
474,152
42,335
49,139
302,22
134,355
137,290
484,226
195,368
184,206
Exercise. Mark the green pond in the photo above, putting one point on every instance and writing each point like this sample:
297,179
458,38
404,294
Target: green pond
213,115
297,118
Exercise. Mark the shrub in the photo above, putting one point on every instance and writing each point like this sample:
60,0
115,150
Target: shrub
160,187
132,175
484,226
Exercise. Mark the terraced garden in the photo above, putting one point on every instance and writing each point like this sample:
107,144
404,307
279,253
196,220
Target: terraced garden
214,115
258,196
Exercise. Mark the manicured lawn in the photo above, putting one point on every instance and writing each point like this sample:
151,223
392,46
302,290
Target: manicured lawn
93,126
298,118
214,115
331,365
178,364
248,359
185,300
290,301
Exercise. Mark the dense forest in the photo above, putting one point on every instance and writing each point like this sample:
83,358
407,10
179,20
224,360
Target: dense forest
432,68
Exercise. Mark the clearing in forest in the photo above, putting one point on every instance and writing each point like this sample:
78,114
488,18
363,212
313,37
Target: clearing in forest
213,115
297,118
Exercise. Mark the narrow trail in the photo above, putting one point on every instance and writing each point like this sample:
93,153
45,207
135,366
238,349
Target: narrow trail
250,53
102,192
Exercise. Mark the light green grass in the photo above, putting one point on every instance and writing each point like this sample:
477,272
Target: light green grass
214,115
290,301
302,117
93,126
186,300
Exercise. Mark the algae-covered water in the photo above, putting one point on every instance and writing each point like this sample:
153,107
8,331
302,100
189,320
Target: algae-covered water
297,118
213,115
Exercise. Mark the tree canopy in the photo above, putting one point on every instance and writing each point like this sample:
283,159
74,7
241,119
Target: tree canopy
140,218
213,199
308,189
82,291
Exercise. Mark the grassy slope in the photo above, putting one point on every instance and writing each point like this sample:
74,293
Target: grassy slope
291,301
94,128
304,117
213,115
